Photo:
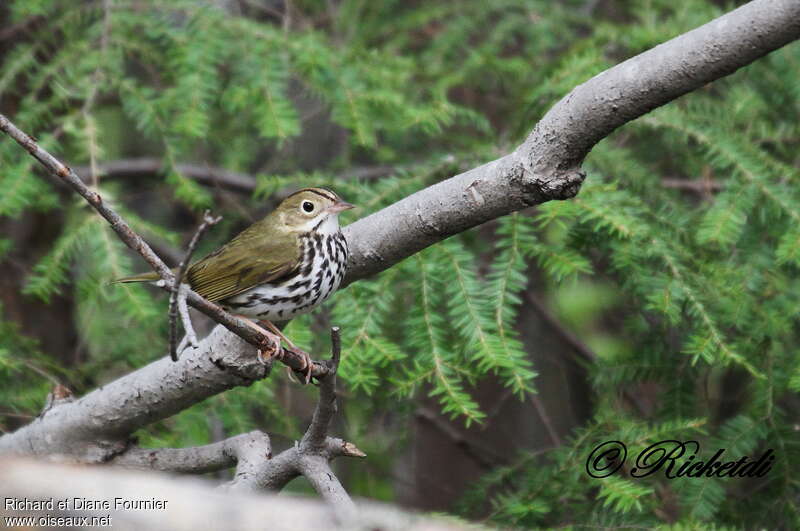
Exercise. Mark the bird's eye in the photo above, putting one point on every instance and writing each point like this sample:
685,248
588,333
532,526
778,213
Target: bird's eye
308,206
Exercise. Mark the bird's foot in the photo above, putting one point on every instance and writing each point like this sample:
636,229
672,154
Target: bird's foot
272,344
274,336
275,330
303,373
274,350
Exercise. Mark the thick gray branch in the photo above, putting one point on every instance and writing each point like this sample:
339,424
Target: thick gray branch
245,451
309,457
592,110
318,472
547,165
96,427
252,452
189,503
275,473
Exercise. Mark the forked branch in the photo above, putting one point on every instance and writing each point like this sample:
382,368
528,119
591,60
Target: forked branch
137,243
544,167
251,453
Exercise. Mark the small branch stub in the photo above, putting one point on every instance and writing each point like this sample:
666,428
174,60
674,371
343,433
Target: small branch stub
178,294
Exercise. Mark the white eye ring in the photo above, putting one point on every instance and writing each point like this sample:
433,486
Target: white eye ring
308,206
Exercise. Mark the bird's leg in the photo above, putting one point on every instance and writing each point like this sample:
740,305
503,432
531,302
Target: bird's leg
275,338
307,363
277,331
303,374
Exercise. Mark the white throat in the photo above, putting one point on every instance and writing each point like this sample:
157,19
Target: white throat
328,227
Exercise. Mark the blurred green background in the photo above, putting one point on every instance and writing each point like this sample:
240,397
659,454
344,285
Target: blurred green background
660,303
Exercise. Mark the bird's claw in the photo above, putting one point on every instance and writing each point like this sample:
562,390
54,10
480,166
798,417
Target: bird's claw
272,344
304,373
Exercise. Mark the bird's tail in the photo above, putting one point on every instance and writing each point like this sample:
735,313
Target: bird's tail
144,277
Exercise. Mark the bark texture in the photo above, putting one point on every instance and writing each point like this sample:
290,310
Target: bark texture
545,167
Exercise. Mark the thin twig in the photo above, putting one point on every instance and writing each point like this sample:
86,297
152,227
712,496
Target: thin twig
41,372
62,171
135,242
336,349
177,297
540,409
579,346
190,337
215,176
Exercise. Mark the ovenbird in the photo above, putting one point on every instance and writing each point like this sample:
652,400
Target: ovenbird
280,267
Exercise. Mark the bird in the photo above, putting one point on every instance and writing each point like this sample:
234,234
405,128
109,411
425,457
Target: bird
282,266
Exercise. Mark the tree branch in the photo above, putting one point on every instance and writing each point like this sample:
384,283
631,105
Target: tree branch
311,455
243,451
179,293
204,174
314,437
96,427
547,165
65,173
137,243
157,391
189,503
318,472
210,175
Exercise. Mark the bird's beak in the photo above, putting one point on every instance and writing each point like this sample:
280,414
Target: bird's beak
339,206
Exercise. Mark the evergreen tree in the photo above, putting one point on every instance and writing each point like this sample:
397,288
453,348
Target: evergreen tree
686,231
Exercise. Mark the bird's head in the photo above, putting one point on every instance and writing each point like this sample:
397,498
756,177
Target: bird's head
312,210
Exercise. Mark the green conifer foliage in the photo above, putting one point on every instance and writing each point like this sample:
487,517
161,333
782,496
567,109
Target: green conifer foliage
704,280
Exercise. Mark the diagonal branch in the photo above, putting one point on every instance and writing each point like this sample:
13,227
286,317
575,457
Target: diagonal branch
65,173
97,426
137,243
222,362
545,167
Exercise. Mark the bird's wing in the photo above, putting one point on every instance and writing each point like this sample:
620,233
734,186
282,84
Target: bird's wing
251,258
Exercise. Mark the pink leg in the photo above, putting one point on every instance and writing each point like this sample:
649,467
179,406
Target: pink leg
307,363
275,338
